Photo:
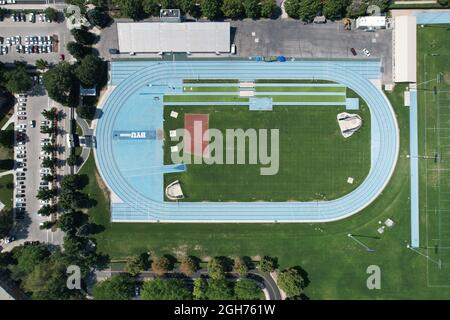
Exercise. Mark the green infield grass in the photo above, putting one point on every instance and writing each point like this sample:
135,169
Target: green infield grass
314,159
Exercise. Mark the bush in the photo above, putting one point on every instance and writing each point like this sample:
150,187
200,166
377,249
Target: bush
83,36
165,289
247,289
188,266
291,282
161,265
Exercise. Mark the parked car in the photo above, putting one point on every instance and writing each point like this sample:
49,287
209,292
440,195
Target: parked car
353,51
366,52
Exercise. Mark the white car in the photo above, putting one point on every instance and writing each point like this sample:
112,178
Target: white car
21,126
20,200
45,170
366,52
22,99
22,113
20,148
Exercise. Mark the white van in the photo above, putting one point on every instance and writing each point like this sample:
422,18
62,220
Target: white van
233,48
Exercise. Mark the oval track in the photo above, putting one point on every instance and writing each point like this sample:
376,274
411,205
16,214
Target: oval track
384,153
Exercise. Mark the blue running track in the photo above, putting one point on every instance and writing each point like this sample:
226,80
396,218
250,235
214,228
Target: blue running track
136,104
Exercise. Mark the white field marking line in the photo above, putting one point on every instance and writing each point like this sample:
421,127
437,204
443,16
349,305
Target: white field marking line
426,168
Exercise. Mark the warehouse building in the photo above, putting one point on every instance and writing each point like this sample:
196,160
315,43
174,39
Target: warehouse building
405,47
160,37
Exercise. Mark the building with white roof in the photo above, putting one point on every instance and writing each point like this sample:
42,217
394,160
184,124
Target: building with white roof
158,37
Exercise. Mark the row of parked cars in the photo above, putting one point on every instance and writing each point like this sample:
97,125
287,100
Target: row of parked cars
21,157
31,17
29,44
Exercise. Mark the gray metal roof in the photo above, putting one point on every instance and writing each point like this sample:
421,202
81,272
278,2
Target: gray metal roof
174,37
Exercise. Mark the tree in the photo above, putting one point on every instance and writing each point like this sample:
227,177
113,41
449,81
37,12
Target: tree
188,266
151,7
6,223
72,199
252,9
247,289
200,289
267,264
71,182
17,80
69,221
28,257
240,266
219,290
41,64
48,178
211,9
292,8
161,265
72,159
130,8
308,9
118,287
86,112
233,8
334,9
268,8
51,13
98,18
291,282
7,138
77,50
49,114
46,210
137,264
47,280
62,84
45,194
90,71
83,36
49,162
216,268
357,8
47,130
48,148
46,225
165,289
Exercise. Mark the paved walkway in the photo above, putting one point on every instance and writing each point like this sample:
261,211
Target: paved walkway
10,120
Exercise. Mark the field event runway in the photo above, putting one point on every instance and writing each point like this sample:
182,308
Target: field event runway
136,105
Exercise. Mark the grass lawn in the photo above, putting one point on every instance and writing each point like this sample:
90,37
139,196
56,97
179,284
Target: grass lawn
434,141
315,160
335,264
210,89
7,154
299,89
208,98
6,191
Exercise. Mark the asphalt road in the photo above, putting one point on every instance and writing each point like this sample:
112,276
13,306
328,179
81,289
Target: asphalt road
266,280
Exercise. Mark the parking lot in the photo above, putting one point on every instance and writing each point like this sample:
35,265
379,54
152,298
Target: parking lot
28,177
37,40
292,38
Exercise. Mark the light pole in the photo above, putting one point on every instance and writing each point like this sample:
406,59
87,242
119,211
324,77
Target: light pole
360,243
439,262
